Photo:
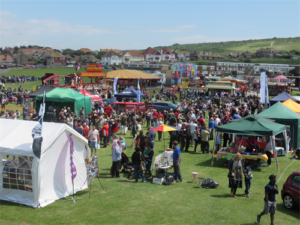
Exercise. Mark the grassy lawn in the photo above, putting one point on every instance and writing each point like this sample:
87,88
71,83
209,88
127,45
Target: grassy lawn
125,202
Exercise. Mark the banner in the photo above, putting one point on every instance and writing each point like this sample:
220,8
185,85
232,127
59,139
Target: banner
72,165
37,131
78,66
115,88
263,83
139,92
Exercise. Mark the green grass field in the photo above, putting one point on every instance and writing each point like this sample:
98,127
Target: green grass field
38,73
252,46
125,202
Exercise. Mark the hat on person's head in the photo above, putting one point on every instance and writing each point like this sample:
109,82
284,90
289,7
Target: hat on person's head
288,126
272,177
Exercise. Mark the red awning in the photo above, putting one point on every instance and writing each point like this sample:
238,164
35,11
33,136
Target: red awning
94,97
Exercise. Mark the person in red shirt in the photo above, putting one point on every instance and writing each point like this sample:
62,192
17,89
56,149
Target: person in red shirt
105,133
201,120
160,115
114,128
108,109
155,117
86,131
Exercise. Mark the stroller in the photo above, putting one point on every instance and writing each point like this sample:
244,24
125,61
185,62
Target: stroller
127,166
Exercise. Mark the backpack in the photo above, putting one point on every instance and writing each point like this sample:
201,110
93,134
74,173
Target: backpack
209,183
114,125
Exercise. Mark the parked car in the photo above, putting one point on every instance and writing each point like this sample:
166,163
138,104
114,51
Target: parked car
290,192
108,101
106,67
161,106
3,66
115,68
26,67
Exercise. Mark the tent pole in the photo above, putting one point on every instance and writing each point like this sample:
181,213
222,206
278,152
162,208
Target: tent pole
272,138
286,145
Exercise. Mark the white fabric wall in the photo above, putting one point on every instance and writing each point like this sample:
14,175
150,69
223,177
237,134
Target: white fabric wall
54,170
20,196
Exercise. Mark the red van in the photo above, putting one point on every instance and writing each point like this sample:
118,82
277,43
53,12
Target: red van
123,106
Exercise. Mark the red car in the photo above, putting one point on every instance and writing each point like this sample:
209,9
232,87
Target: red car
26,67
290,192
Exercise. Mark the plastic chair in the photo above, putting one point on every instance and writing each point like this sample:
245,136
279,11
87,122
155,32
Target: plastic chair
194,177
201,179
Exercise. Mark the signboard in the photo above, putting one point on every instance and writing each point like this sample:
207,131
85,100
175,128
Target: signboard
94,68
229,84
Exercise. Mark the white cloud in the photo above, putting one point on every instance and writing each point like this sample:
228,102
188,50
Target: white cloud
29,28
6,13
164,31
195,38
187,26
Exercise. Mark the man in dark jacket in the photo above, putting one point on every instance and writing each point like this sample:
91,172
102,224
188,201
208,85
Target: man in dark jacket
25,112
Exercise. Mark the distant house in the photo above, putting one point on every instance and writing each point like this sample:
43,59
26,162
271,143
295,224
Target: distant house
266,52
9,50
131,56
109,50
202,55
22,58
85,50
246,54
87,59
111,58
53,58
27,51
75,59
232,55
294,57
6,59
182,55
164,54
69,58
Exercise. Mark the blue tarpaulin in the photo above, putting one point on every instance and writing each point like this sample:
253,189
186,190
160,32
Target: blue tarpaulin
282,97
129,93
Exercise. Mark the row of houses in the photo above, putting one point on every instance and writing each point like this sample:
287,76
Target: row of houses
220,68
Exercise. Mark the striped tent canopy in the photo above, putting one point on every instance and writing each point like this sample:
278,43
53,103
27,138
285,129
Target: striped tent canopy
131,74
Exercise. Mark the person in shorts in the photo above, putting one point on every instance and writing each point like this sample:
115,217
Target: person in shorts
94,139
271,189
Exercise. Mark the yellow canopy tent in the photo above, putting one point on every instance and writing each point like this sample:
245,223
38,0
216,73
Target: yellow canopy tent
292,105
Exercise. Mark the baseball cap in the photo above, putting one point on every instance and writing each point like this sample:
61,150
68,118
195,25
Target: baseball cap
271,177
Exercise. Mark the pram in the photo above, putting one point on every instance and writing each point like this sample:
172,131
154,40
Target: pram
127,166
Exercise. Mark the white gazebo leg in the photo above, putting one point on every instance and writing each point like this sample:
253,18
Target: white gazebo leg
286,145
274,150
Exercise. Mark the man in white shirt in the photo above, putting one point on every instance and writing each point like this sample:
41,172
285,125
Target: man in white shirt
217,120
193,128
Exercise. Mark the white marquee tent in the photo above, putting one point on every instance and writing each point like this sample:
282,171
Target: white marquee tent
35,182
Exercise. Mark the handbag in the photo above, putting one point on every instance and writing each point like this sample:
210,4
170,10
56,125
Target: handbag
142,163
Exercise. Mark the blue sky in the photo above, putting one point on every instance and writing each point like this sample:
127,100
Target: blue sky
140,24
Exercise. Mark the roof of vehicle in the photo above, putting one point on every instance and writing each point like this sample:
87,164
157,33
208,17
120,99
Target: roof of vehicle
131,103
163,102
298,171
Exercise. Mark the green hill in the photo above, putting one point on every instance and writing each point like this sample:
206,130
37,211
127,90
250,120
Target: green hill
224,48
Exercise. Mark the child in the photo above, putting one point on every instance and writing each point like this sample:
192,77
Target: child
248,180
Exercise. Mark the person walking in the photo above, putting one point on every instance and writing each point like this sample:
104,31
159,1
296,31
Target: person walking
136,158
25,112
288,137
269,150
176,162
105,134
123,124
94,139
205,140
116,155
271,189
235,175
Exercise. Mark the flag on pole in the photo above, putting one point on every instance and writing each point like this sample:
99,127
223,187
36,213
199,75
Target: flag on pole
72,165
139,92
115,88
262,87
37,131
78,66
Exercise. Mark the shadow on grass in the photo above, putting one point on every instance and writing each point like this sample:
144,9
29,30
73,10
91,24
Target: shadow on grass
6,203
221,196
291,212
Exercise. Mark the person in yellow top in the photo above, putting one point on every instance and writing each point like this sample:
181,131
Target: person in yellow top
205,140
